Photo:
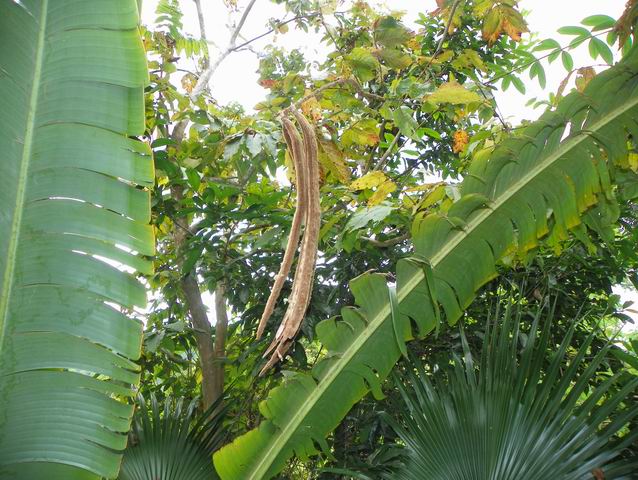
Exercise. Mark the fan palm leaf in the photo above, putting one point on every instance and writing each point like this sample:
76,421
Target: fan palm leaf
173,443
513,418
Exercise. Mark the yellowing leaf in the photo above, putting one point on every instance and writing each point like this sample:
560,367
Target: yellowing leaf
481,7
454,93
436,195
630,161
461,140
414,44
188,82
492,27
334,161
444,10
503,19
365,132
584,76
394,58
369,180
382,192
469,58
424,188
290,167
312,108
363,63
441,58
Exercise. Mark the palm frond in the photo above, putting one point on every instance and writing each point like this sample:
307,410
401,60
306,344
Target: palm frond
510,417
173,442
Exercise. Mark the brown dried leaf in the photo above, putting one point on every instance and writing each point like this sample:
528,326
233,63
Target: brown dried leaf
625,25
503,19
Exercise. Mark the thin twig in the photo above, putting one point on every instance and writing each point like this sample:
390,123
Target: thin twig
386,243
439,46
275,28
387,153
205,77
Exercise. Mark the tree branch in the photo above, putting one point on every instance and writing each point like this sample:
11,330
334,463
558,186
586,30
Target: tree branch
205,77
387,153
387,243
439,46
209,353
200,19
196,308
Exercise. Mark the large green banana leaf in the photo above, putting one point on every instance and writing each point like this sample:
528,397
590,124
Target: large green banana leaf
536,184
73,226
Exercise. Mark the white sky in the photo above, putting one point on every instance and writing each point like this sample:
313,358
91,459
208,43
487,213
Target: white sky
236,78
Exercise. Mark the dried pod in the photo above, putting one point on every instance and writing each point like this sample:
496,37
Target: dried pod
304,273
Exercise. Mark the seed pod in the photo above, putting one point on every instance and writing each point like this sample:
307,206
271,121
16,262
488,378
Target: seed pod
304,273
295,147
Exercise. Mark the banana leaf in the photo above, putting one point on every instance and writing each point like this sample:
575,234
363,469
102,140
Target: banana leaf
74,230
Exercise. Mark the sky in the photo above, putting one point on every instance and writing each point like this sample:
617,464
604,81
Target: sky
236,78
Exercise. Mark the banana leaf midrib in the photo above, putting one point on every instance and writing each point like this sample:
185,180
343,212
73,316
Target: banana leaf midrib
284,435
7,283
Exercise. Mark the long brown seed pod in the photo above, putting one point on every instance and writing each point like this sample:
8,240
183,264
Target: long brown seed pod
304,273
295,147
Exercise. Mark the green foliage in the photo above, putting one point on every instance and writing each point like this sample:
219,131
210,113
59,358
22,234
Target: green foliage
74,223
554,165
511,415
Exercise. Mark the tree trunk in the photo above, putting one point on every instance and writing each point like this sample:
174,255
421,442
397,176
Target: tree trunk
197,310
220,339
203,338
